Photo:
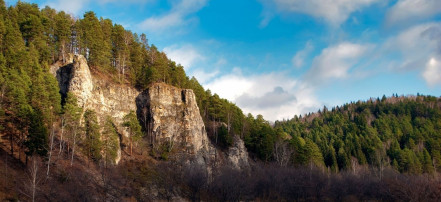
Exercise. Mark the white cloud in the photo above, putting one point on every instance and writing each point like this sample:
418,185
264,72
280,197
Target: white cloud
163,22
335,62
125,1
76,7
186,55
274,95
230,86
405,11
178,15
69,6
416,46
334,12
277,97
203,76
299,58
432,73
221,61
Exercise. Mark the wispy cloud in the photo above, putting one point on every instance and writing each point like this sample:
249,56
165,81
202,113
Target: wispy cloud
186,55
78,6
203,76
409,11
179,15
334,62
69,6
299,58
333,12
419,48
432,72
274,95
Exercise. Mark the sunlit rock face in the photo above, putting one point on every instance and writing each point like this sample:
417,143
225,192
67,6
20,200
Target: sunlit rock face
168,114
104,97
171,116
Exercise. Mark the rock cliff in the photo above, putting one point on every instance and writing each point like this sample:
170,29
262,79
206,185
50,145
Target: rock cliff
105,98
237,154
170,115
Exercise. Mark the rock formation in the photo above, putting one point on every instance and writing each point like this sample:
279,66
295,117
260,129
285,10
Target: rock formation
105,98
237,154
170,115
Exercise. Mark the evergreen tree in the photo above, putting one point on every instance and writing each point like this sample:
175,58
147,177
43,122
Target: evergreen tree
72,116
110,142
331,159
62,32
92,142
37,140
132,124
92,41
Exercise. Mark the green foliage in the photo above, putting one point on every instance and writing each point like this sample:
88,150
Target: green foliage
110,141
400,132
31,39
132,124
225,140
71,110
92,42
92,143
261,137
37,141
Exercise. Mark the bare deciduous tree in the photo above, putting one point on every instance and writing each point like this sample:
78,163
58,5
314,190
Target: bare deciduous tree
32,182
282,152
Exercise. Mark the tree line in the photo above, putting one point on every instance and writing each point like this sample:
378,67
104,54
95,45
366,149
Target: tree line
403,134
33,38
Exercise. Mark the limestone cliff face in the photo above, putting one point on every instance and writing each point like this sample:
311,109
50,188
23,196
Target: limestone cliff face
168,114
238,155
171,115
105,98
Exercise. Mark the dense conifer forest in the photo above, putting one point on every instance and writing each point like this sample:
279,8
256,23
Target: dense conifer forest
357,141
402,132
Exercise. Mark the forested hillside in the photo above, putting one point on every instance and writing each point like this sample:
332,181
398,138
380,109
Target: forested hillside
32,38
401,132
381,149
398,131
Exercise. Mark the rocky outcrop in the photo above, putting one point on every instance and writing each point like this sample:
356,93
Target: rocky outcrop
103,97
170,115
237,154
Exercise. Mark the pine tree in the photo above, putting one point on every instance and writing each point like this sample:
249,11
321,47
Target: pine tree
92,41
37,140
2,25
72,116
92,142
62,32
313,153
110,142
132,124
137,61
342,159
120,48
331,159
427,162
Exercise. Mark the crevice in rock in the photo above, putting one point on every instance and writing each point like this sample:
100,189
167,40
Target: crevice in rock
64,77
183,98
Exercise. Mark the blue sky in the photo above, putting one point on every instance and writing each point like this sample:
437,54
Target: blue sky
280,58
